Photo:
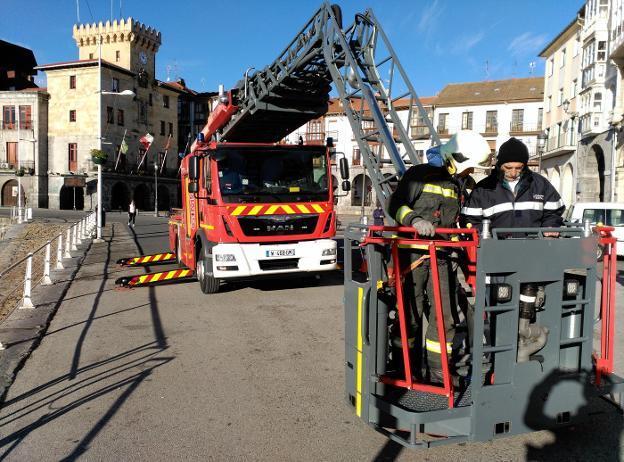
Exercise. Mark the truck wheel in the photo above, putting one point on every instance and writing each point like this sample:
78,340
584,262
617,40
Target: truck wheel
208,284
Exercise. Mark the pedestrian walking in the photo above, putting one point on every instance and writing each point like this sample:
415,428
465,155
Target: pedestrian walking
132,213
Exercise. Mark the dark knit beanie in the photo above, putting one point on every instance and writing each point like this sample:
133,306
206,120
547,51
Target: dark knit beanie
512,150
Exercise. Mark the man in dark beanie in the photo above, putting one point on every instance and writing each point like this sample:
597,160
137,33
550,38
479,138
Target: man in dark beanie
512,196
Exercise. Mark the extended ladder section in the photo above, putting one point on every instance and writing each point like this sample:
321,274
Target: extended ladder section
368,77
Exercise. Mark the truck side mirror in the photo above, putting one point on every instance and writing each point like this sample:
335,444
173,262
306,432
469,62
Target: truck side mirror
344,169
193,168
346,185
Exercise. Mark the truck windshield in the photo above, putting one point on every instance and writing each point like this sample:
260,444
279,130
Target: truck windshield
273,175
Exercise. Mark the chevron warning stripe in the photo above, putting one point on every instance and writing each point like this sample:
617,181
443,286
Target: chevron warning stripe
154,278
157,258
276,209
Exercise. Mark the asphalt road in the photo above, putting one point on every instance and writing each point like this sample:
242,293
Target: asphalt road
253,373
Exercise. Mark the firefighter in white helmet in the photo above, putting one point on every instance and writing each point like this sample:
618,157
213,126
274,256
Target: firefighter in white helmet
429,196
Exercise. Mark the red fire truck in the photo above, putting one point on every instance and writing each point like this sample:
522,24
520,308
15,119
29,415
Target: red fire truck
252,209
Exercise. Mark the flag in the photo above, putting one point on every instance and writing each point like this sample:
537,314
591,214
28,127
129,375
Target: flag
166,148
146,140
123,148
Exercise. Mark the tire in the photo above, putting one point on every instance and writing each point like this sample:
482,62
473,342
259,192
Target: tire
208,284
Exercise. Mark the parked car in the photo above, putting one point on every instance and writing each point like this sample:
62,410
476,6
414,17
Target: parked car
607,213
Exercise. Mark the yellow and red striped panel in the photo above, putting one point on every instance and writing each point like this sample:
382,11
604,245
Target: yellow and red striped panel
159,277
276,209
146,259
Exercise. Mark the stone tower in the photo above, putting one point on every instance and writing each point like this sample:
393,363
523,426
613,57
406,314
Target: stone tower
127,43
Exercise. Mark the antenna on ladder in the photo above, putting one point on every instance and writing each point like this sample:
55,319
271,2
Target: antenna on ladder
78,10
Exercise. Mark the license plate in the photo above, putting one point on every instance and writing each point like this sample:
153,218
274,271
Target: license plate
280,253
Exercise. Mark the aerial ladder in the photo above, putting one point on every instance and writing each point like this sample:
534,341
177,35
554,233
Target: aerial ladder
515,384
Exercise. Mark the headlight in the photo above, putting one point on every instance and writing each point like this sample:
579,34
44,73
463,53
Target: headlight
503,293
570,287
327,252
225,257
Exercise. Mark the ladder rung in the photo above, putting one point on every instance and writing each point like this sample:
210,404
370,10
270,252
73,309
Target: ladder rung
400,96
497,349
573,341
575,302
499,309
383,61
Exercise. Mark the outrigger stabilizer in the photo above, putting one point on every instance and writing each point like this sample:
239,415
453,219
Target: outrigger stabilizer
159,277
143,260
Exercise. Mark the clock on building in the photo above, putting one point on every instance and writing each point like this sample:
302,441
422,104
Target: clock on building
143,57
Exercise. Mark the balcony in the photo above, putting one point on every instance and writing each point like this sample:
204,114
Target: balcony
315,138
419,132
561,143
520,128
591,123
11,166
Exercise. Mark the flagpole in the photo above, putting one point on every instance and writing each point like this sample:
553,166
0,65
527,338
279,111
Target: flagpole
143,158
120,148
165,156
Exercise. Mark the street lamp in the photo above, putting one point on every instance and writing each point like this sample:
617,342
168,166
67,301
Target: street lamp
98,236
541,146
155,188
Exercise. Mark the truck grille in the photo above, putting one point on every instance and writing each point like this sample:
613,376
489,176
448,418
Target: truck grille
282,264
278,225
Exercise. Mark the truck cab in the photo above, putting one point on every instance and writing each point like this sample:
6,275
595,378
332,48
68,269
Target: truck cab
251,209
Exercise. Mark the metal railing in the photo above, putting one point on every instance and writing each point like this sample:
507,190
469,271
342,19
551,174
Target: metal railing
67,241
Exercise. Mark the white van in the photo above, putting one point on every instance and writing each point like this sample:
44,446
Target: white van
607,213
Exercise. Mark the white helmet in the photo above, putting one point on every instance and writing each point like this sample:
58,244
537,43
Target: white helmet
465,149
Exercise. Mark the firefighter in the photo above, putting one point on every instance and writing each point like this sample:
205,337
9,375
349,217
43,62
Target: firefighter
428,196
512,196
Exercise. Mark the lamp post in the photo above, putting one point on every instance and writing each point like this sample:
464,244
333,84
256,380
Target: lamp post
98,236
155,189
541,146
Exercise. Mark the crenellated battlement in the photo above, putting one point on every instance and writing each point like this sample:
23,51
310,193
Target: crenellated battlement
125,30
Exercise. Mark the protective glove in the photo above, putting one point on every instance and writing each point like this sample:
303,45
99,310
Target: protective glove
423,227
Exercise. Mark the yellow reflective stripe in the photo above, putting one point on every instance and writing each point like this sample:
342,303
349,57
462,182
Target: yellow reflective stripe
318,208
288,209
156,277
402,212
358,376
434,347
170,274
435,189
142,279
271,210
414,246
255,210
184,273
145,259
238,210
206,226
135,260
157,257
303,208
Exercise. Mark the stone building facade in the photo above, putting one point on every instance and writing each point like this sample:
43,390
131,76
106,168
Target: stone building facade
24,147
110,94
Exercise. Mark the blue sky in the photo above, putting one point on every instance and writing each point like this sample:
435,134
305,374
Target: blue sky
210,42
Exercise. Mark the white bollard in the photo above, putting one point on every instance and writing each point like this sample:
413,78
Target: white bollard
68,244
46,281
2,347
75,238
83,226
78,233
59,254
29,214
26,301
